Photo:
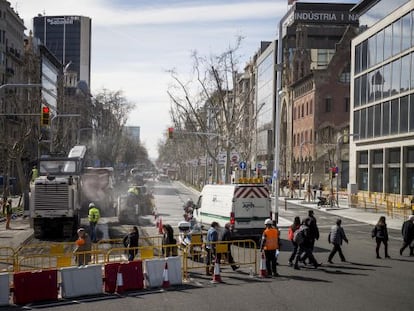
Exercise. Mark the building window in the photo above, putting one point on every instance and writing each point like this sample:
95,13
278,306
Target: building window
404,114
411,114
395,112
311,106
386,119
363,157
377,156
394,155
303,111
377,120
363,179
328,104
307,108
346,104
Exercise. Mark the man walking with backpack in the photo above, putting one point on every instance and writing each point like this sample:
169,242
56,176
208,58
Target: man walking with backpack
303,238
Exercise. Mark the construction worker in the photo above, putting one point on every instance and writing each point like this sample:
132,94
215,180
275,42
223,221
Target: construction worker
93,217
35,173
269,244
83,248
133,195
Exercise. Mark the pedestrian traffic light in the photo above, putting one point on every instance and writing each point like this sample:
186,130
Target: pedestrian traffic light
170,132
45,116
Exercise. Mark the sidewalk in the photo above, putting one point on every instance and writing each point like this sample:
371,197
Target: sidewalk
368,215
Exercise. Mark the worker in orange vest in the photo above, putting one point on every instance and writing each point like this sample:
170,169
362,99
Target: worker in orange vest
269,245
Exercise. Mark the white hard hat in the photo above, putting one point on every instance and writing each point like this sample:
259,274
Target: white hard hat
91,204
268,221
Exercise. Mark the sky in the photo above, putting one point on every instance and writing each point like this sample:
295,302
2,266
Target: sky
135,43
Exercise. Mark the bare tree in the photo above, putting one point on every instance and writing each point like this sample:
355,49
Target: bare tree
207,105
110,113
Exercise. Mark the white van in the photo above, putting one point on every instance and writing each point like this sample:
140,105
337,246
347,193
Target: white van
245,206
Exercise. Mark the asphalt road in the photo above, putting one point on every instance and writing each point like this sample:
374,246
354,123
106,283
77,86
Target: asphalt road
363,283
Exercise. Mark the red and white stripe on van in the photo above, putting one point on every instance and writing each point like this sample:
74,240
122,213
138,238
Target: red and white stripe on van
251,192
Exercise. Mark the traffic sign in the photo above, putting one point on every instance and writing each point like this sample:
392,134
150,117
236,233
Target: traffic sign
242,165
259,165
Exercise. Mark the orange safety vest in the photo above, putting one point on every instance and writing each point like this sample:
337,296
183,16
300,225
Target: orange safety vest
272,239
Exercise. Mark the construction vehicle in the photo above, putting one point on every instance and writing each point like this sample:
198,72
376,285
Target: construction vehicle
63,191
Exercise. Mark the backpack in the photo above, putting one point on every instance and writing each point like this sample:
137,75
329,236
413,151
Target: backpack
299,236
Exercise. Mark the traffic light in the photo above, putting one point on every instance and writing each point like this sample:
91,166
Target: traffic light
45,116
333,172
170,132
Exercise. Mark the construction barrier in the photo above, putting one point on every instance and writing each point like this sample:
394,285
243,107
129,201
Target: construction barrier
81,281
7,259
4,289
35,286
154,269
244,253
130,276
174,270
111,274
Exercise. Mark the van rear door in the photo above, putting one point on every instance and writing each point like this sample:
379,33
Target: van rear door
251,208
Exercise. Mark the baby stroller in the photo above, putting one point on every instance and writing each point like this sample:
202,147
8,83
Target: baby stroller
322,201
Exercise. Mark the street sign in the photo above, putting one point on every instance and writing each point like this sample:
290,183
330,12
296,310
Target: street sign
243,165
259,165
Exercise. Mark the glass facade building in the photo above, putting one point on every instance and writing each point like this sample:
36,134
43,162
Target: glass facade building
69,39
382,88
265,103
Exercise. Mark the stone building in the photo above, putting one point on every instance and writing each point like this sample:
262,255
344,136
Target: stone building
314,95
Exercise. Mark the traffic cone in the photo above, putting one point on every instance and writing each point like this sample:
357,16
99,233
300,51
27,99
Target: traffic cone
160,226
119,283
263,270
165,280
216,273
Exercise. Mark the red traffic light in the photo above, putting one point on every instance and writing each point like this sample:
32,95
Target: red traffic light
170,132
45,116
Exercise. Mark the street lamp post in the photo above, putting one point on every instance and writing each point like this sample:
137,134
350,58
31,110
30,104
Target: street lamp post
338,141
301,166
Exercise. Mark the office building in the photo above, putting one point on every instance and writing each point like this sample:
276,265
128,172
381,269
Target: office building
69,38
382,101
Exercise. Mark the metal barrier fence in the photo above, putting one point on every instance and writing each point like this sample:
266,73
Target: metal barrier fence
56,261
244,253
194,254
393,205
7,259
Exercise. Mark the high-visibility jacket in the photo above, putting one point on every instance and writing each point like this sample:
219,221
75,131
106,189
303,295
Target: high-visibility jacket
35,173
271,239
94,214
133,190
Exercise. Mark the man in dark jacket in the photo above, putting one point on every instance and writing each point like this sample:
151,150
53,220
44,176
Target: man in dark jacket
227,236
131,241
305,247
407,232
336,236
313,232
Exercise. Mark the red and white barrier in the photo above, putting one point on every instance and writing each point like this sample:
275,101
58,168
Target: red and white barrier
130,276
4,289
81,281
35,286
154,271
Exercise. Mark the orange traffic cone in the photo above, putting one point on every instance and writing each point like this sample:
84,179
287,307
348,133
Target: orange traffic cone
216,273
165,280
263,270
119,283
160,226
